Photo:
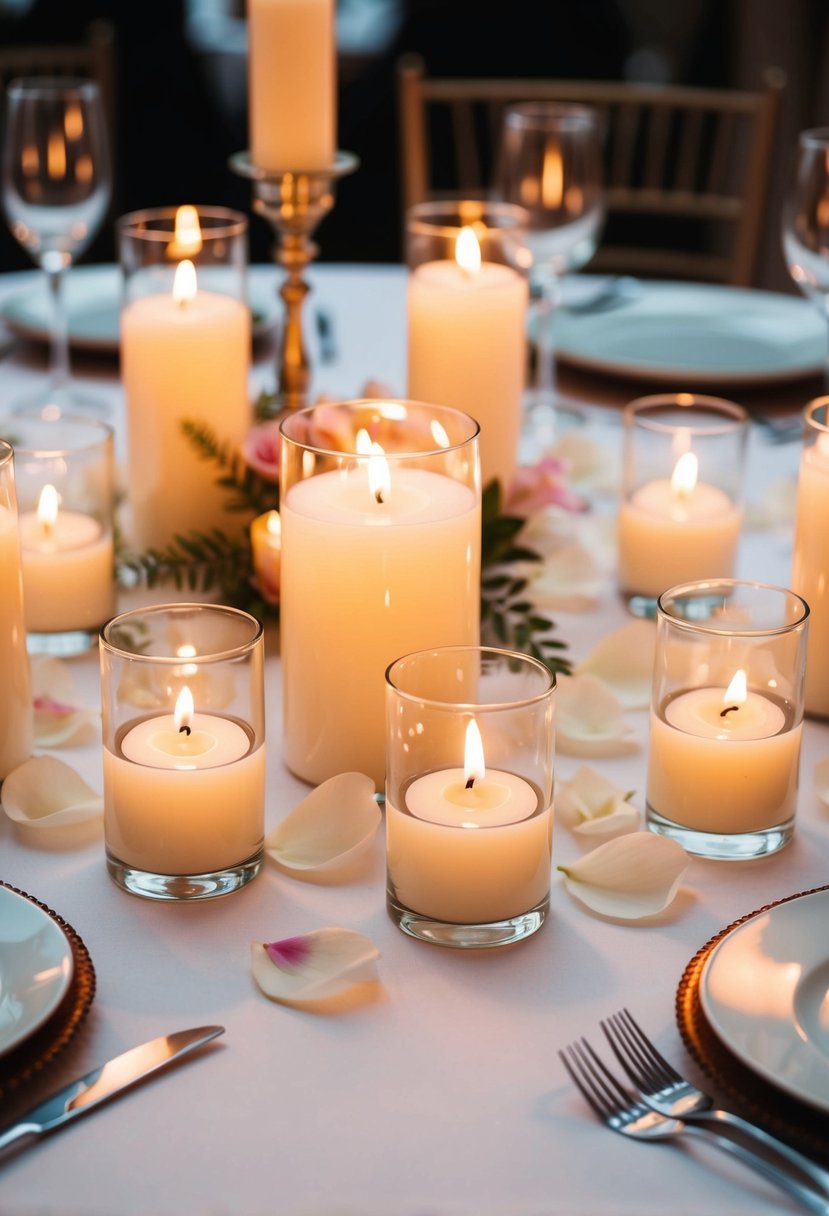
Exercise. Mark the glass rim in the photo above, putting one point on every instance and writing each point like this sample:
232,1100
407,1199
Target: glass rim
173,609
106,437
6,453
228,223
712,587
397,457
526,660
570,113
430,218
734,417
817,403
53,86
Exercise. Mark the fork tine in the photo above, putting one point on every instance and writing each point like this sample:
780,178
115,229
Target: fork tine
597,1085
582,1084
656,1058
627,1051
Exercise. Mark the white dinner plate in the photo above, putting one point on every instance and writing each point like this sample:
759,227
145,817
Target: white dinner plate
697,334
765,992
93,295
36,968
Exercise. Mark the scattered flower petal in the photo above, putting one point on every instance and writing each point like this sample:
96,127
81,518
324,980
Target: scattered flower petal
589,719
541,485
44,795
332,826
592,806
58,721
313,966
591,467
569,581
630,877
777,506
260,449
624,660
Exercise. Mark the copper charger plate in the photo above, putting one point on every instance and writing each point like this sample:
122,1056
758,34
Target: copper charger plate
41,1047
796,1122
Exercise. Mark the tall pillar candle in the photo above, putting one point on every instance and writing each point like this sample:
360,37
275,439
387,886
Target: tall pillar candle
467,309
810,565
16,715
292,84
380,555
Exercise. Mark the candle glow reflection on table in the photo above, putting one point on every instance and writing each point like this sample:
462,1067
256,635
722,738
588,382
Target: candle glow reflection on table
469,845
676,530
184,792
723,760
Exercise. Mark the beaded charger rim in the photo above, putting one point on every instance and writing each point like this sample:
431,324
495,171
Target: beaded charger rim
757,1099
40,1048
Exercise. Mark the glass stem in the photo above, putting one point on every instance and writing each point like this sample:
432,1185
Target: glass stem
545,375
59,352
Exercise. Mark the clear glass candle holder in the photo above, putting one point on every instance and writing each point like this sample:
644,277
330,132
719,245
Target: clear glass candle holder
681,507
182,690
16,714
467,301
380,504
726,717
66,494
810,565
185,364
469,795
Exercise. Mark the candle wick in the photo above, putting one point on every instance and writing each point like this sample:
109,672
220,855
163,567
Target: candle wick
184,730
378,494
728,709
470,783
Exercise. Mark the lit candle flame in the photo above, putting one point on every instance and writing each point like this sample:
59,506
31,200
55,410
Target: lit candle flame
684,477
56,155
183,713
737,691
473,755
47,509
468,251
187,651
187,241
273,524
73,122
552,179
184,284
379,477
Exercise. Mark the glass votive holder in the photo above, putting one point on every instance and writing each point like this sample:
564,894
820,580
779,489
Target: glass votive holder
810,565
467,301
469,795
681,507
182,690
185,363
380,507
66,496
16,713
726,717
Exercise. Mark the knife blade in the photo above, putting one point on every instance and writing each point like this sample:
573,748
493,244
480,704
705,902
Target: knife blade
111,1079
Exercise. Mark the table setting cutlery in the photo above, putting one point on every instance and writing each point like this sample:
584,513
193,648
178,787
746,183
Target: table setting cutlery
631,1114
106,1082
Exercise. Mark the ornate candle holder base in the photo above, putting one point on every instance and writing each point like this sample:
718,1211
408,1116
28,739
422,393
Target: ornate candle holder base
293,202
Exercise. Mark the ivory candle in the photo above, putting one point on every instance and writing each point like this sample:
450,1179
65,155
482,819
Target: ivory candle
810,567
266,551
723,760
292,83
467,347
358,590
469,845
677,530
68,568
16,701
179,803
184,356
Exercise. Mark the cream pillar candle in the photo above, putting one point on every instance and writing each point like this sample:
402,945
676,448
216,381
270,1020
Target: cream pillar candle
467,347
68,568
810,567
677,530
184,356
723,760
16,701
358,589
469,845
266,552
292,83
184,803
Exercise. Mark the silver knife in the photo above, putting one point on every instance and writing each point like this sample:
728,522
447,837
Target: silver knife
111,1079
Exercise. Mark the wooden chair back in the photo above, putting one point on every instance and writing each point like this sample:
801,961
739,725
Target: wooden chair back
686,169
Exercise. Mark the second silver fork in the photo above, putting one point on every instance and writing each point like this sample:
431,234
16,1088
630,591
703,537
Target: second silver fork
662,1088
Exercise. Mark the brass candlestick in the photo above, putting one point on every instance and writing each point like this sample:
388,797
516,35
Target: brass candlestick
293,202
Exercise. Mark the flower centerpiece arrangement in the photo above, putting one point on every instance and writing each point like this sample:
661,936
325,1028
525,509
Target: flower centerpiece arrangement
230,562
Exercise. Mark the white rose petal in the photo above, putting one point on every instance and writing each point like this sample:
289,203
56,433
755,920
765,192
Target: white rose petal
50,802
592,806
332,826
624,660
589,719
628,878
313,966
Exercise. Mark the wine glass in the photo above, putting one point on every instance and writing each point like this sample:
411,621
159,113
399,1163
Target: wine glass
56,190
806,220
550,161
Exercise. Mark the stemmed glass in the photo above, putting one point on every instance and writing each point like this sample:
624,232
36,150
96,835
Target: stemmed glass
806,220
550,161
56,190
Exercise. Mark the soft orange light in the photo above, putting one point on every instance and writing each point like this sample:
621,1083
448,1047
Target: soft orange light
552,179
474,768
56,155
685,474
184,284
468,251
187,240
183,713
273,525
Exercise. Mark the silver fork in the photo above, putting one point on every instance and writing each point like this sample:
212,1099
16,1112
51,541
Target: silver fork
661,1087
625,1113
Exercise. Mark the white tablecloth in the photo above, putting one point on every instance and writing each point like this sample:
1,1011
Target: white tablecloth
441,1094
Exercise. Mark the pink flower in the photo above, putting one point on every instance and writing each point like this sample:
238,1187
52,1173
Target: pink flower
541,485
261,450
